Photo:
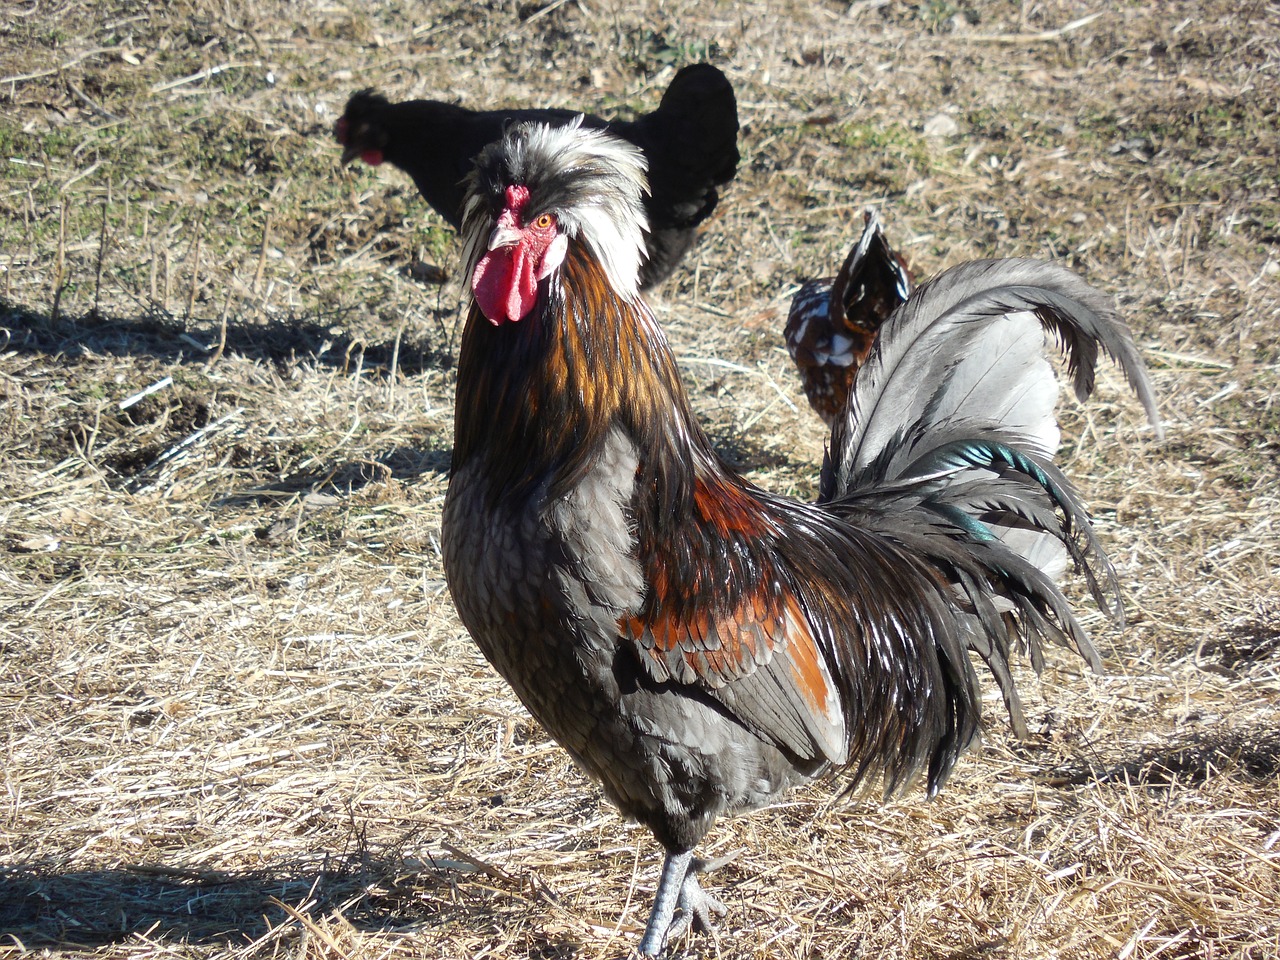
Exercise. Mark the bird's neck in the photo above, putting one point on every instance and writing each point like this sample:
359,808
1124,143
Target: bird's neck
538,398
423,138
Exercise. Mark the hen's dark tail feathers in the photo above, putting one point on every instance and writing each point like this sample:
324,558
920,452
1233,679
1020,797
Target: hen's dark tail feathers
693,138
947,445
876,268
692,144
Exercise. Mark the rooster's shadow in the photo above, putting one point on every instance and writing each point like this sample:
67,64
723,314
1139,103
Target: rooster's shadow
1189,760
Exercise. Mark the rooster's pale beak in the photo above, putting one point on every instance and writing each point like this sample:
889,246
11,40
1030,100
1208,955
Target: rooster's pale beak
504,235
349,153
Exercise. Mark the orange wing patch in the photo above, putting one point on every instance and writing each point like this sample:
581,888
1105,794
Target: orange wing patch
809,673
761,661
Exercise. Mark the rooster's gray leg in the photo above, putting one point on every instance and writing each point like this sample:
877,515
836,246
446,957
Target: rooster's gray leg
670,885
678,887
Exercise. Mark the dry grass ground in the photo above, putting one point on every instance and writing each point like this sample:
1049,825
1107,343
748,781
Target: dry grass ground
240,719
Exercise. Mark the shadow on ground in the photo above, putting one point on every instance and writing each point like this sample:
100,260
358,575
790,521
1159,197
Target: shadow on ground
64,909
1246,754
284,343
154,332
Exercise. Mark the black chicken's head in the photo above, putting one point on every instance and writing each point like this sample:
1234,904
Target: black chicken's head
540,190
360,129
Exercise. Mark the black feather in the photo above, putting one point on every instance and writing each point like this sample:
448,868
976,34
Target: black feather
690,142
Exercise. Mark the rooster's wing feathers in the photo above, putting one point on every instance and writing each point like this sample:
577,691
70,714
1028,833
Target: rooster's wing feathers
759,658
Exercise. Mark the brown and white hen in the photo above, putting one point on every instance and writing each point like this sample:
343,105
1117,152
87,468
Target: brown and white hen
833,322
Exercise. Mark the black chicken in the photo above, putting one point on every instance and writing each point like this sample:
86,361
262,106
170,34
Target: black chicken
697,644
690,143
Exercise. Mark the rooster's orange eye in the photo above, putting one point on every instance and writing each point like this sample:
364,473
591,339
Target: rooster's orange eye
544,221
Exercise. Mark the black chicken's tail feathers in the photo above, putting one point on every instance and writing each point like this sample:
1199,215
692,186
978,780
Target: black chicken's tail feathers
692,142
947,444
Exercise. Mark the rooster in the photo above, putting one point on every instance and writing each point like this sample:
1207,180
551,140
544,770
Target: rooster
833,322
690,143
699,645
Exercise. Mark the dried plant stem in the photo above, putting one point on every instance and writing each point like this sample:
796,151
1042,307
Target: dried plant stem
195,269
103,240
59,264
